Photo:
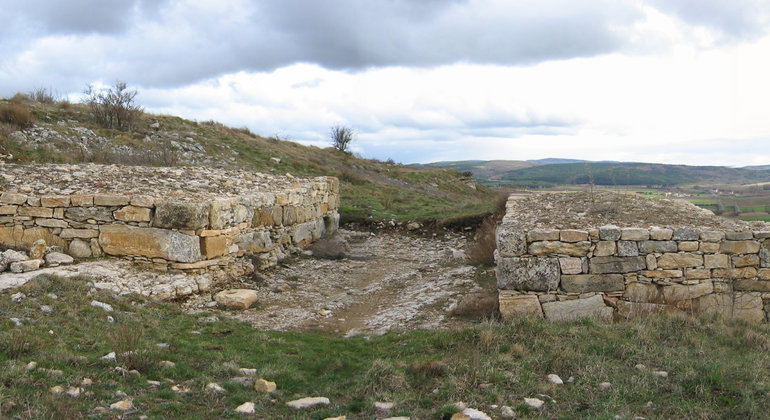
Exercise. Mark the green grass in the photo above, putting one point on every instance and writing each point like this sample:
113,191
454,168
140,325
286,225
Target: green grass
716,369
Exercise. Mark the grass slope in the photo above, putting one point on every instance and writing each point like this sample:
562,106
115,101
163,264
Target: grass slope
370,189
715,370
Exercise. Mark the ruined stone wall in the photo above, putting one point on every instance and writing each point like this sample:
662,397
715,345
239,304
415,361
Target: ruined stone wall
608,272
168,218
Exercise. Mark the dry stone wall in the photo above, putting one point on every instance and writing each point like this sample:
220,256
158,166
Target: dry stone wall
188,219
610,272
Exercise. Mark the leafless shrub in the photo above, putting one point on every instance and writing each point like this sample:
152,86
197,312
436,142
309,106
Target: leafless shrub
341,137
44,96
114,107
126,341
16,114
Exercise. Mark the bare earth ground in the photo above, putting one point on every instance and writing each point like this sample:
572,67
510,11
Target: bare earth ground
387,280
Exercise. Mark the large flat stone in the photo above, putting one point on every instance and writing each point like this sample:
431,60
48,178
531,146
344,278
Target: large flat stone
739,247
631,310
567,310
677,292
577,249
584,283
649,247
643,293
535,274
81,214
764,254
610,265
515,305
748,307
150,243
680,260
181,215
511,242
751,285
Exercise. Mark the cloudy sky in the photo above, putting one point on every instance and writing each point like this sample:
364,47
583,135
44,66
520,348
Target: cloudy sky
670,81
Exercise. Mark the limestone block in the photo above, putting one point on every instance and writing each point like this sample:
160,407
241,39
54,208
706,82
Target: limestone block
610,265
25,266
592,307
516,305
661,234
748,307
535,235
749,260
13,198
689,246
511,242
680,260
181,215
571,265
37,250
764,254
236,298
289,215
30,235
762,234
302,234
627,249
133,214
632,310
662,274
263,217
649,247
110,200
572,235
8,210
213,246
82,200
577,249
52,223
221,213
739,247
79,248
677,292
734,273
150,243
536,274
605,248
584,283
739,236
697,273
716,261
81,214
643,292
652,262
709,247
142,201
764,273
79,233
277,216
751,285
712,236
686,234
715,303
634,234
6,237
55,201
35,212
57,258
609,233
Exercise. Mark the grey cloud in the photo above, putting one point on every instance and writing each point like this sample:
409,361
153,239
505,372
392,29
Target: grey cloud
733,18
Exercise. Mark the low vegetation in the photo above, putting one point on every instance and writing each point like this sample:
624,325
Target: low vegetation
715,369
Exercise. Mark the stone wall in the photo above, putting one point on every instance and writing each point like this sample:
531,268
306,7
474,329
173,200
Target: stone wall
167,218
608,272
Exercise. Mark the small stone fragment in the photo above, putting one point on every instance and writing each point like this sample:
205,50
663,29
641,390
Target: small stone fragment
74,391
46,309
215,387
153,383
474,414
507,412
18,297
167,364
605,386
247,372
535,403
660,373
245,408
236,298
261,385
109,356
554,379
58,389
106,306
308,402
383,406
640,366
460,416
87,382
122,405
31,366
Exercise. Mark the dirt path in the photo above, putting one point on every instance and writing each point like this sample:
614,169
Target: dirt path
387,280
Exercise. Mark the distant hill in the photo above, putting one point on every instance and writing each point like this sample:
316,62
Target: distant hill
482,169
554,161
757,167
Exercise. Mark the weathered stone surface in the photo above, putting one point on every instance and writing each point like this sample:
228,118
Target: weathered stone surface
181,215
30,235
110,200
79,233
697,273
652,262
734,273
149,242
764,254
8,210
592,283
142,201
686,234
677,292
35,212
610,265
12,198
631,310
572,235
739,247
709,247
37,250
627,249
609,233
716,261
634,234
214,246
55,201
751,285
26,265
745,260
605,248
511,242
662,274
748,307
764,273
649,247
577,249
82,200
712,236
535,235
689,246
680,260
308,402
535,274
236,298
516,305
57,258
660,234
263,385
79,248
592,307
81,214
52,223
571,265
643,293
133,214
739,236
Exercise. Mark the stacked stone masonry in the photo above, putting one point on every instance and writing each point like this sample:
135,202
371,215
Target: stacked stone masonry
168,218
609,272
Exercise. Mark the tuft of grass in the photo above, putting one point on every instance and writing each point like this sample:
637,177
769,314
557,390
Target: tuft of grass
16,114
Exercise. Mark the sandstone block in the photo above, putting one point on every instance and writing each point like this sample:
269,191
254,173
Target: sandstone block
739,247
289,215
82,214
584,283
592,307
610,265
745,260
82,200
762,234
262,385
52,223
133,214
686,234
13,198
79,233
110,200
649,247
571,265
634,234
150,243
764,254
536,235
716,261
236,298
748,307
751,285
660,234
263,217
55,201
515,305
181,215
8,210
142,201
35,212
734,273
739,236
213,246
30,235
652,262
709,247
632,310
511,242
605,248
37,250
25,266
697,273
277,216
627,249
677,292
536,274
609,233
643,292
689,246
662,274
571,235
577,249
712,236
6,237
764,273
680,260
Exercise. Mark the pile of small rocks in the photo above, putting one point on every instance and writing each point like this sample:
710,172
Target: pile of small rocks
39,255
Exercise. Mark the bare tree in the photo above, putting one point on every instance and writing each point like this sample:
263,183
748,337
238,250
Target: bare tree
341,137
114,107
